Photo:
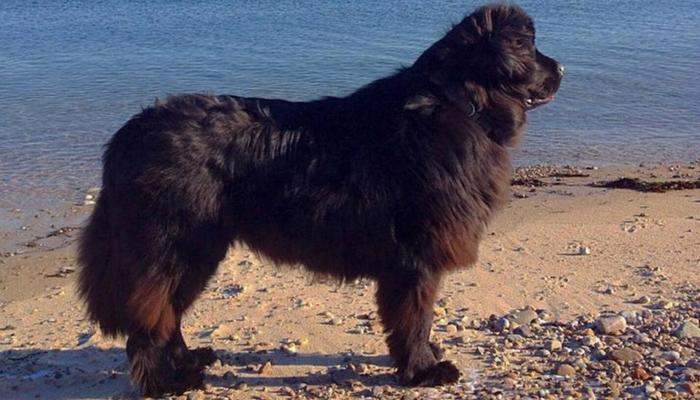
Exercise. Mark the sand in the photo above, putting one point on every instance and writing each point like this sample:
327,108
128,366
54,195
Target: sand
568,250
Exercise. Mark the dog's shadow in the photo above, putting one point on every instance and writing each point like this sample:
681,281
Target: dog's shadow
92,372
338,368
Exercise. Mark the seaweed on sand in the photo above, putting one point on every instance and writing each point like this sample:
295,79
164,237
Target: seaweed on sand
644,186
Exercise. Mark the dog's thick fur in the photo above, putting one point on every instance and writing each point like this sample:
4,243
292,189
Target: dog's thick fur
394,182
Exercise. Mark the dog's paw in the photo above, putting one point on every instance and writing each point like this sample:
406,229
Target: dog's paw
202,356
442,373
173,382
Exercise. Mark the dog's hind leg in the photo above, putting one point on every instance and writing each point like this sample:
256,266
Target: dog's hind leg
156,331
161,361
406,309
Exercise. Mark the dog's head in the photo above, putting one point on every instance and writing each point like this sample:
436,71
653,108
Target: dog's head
490,61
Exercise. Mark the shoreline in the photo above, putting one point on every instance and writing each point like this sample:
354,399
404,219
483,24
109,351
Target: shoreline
569,250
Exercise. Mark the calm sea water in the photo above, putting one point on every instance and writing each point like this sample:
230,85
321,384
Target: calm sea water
71,72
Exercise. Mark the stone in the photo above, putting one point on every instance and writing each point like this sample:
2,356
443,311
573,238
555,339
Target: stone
289,349
566,370
265,369
523,317
612,367
626,355
649,389
640,374
553,345
665,305
615,389
630,317
687,330
409,396
588,332
515,339
690,387
524,331
451,329
195,395
641,338
671,356
614,325
543,353
500,324
590,341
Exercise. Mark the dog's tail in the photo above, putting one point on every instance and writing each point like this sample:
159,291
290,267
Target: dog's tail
98,281
120,295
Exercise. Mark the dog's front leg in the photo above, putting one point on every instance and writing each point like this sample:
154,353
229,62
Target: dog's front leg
405,301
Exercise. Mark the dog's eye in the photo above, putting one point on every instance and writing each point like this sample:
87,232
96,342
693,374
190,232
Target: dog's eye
524,42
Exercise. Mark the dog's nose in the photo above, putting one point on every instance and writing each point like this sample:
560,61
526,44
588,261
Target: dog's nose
561,69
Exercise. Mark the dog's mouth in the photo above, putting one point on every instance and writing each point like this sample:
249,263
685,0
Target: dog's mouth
534,102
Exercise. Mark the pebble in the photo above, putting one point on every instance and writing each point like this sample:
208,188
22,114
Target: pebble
553,345
524,331
643,300
614,388
289,349
523,317
640,373
543,353
671,356
614,325
500,324
687,330
626,355
649,389
588,332
195,395
439,312
690,387
630,316
665,305
566,370
517,339
265,369
641,338
451,329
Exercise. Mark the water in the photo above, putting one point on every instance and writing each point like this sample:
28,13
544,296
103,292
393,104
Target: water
72,72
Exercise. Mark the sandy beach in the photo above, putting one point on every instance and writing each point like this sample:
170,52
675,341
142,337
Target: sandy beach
580,291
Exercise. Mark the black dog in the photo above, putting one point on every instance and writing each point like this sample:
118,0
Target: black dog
394,182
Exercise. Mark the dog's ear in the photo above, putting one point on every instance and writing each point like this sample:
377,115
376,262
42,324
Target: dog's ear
500,39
